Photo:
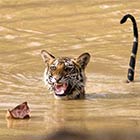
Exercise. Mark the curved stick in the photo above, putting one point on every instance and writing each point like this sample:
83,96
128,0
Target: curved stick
131,69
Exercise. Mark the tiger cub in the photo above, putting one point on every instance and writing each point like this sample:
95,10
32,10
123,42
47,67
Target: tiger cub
65,76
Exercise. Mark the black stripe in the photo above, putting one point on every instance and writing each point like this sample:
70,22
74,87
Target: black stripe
130,75
132,62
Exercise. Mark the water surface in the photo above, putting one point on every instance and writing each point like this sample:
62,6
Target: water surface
69,28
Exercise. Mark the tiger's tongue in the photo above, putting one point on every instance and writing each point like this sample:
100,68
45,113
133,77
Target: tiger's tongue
60,88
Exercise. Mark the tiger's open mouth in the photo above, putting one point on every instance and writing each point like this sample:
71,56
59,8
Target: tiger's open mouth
61,89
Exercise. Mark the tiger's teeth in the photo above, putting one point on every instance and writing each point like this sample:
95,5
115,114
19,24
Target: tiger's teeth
60,88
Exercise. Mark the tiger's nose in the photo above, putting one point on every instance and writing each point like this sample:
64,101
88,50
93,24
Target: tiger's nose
56,79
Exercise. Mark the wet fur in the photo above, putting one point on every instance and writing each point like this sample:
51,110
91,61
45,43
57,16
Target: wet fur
66,72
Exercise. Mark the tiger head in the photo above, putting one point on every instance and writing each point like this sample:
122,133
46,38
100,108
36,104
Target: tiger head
65,76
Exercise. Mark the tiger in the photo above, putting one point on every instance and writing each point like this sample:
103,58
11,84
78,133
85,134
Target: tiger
65,76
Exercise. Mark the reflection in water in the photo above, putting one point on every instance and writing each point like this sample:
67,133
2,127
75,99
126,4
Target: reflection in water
17,123
67,28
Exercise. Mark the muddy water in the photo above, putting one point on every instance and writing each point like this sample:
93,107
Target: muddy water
67,28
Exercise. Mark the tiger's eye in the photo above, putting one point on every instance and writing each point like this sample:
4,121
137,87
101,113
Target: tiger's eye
53,68
68,69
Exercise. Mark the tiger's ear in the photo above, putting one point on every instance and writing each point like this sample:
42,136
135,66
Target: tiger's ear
83,60
47,57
